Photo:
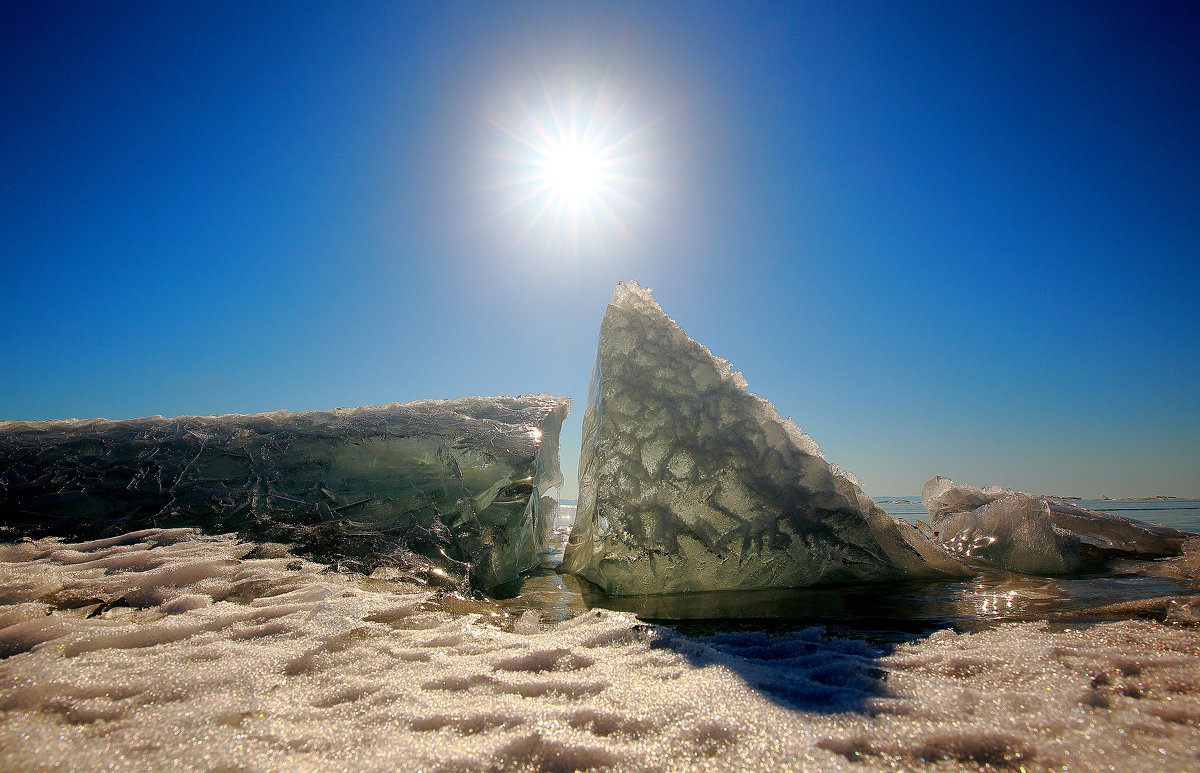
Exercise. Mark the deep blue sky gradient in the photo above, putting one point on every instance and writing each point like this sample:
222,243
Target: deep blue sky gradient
947,238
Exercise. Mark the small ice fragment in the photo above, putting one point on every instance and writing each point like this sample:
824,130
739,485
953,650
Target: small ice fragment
528,623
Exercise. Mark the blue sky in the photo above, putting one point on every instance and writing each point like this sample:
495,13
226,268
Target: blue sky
947,238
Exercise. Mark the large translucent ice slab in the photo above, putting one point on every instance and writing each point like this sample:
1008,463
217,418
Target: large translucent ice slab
455,486
1015,532
1037,535
690,483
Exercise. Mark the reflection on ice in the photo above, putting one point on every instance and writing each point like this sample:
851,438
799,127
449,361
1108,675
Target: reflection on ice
996,604
913,606
991,596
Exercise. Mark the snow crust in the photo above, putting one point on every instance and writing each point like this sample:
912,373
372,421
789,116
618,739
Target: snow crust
1037,535
443,488
168,649
688,482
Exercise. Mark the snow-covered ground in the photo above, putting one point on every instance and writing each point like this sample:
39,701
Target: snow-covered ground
167,649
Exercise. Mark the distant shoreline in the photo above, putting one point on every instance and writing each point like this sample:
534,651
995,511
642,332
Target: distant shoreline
916,500
1155,498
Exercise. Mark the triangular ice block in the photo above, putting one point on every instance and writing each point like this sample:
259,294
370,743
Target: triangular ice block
690,483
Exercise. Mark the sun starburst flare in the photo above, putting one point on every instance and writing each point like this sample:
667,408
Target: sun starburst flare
573,165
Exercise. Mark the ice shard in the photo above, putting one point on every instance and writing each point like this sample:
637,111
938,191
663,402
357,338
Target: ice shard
1037,535
454,489
688,482
1015,532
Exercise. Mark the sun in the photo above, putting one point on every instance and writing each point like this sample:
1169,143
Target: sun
572,171
573,163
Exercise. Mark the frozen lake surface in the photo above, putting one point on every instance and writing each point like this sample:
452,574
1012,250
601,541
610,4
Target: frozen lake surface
166,649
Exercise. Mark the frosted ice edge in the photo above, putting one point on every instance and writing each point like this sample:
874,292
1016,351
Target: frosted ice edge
451,489
689,482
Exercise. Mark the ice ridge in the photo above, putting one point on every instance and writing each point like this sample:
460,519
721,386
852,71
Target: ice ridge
444,489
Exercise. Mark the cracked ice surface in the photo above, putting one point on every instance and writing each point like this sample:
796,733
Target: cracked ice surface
690,483
1037,535
447,488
